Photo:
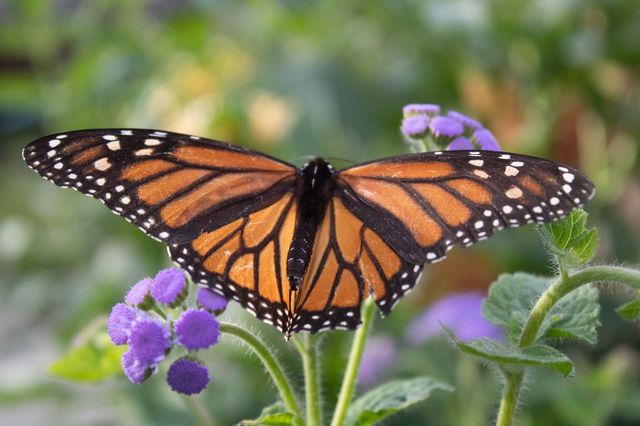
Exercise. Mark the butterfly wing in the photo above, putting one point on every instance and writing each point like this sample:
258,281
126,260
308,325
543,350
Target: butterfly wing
246,261
424,204
172,186
350,262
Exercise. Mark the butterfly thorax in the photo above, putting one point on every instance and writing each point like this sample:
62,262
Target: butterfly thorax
315,184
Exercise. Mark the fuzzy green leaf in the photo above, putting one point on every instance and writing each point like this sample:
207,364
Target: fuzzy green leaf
273,415
95,360
630,311
390,398
537,356
575,316
570,240
510,299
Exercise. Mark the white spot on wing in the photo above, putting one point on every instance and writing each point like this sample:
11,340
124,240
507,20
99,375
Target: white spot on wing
510,171
102,164
514,192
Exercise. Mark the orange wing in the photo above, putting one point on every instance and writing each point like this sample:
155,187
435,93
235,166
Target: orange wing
424,204
246,261
172,186
350,262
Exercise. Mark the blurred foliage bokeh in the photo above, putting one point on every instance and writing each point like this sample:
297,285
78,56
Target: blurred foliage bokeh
554,79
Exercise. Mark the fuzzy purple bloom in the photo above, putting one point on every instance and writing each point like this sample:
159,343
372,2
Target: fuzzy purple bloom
415,126
187,376
379,353
461,312
169,286
467,122
137,294
485,139
420,109
444,127
149,340
135,371
211,300
197,329
119,323
460,143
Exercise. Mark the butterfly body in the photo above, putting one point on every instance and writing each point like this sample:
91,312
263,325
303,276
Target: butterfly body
313,191
301,248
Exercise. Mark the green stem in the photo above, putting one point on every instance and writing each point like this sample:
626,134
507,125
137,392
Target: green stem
349,380
510,396
308,348
202,416
564,285
270,362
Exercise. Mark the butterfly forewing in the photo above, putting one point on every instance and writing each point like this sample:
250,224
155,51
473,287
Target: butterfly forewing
424,204
172,186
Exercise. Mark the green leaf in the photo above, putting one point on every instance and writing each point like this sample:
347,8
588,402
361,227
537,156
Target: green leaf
273,415
630,311
570,240
390,398
575,316
95,360
510,299
537,356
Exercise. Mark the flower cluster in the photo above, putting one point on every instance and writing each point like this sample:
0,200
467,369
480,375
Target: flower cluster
144,324
424,123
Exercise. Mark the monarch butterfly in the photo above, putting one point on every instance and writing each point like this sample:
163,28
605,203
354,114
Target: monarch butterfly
301,248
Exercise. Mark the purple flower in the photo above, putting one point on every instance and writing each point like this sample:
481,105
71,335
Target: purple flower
415,126
149,340
461,312
444,127
188,376
169,286
379,353
139,293
197,329
119,323
485,139
211,300
135,371
467,122
460,143
420,109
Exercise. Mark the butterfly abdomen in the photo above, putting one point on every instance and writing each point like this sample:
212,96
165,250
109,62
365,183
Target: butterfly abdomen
315,181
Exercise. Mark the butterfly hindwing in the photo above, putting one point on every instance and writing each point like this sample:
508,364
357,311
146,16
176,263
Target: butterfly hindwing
424,204
350,263
172,186
245,260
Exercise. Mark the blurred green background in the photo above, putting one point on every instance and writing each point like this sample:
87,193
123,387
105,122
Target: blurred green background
554,79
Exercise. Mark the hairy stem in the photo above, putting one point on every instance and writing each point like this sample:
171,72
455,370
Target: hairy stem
307,345
510,396
202,415
349,380
564,285
270,362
